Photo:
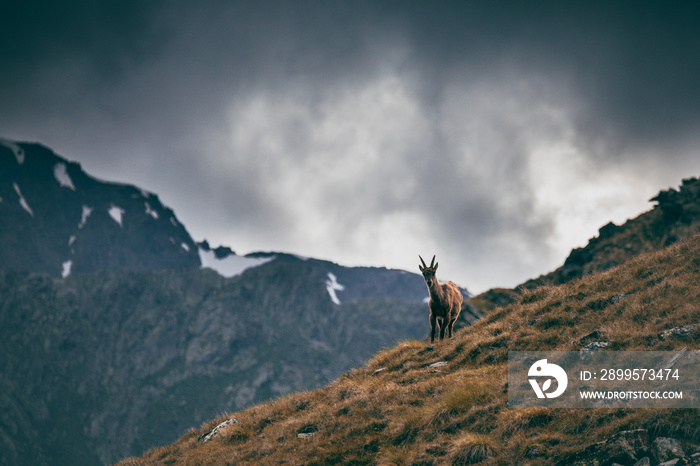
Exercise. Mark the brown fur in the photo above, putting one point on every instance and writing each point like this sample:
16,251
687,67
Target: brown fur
445,301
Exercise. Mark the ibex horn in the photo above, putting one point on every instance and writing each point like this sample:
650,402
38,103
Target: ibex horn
421,259
432,262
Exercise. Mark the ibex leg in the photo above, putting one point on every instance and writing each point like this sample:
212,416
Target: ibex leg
432,327
449,328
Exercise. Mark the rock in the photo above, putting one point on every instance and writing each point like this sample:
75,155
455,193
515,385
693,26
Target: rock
665,449
643,462
616,298
379,371
672,462
675,358
306,435
594,335
217,430
593,347
679,331
625,447
438,364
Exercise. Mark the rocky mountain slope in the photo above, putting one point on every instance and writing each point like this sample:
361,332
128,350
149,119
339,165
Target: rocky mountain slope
447,403
119,332
674,217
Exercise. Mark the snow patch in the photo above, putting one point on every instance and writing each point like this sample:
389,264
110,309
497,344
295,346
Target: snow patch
18,151
71,240
173,221
117,213
231,265
332,286
426,300
150,211
185,247
61,174
67,265
83,218
22,200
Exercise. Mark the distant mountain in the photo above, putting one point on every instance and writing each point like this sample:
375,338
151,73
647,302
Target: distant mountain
119,332
58,220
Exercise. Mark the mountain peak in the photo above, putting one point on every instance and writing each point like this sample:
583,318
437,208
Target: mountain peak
69,221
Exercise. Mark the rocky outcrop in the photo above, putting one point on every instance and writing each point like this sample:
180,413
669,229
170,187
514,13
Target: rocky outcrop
632,447
675,217
679,332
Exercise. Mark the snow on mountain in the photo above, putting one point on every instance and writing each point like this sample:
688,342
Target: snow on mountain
22,201
150,211
67,265
18,151
332,286
84,216
62,176
231,265
117,213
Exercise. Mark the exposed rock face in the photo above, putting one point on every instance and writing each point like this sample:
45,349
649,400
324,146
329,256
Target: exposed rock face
679,332
665,449
217,430
631,447
98,367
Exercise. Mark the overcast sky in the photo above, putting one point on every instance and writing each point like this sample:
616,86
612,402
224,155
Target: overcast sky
497,135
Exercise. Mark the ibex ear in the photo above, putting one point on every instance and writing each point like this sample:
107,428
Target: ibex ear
420,268
436,264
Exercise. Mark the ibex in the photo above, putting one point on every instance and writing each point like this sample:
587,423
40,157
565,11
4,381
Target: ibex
445,301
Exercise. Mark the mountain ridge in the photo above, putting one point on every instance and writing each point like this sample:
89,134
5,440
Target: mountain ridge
675,217
65,220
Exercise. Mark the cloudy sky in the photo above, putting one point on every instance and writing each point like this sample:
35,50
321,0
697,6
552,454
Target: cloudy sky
497,135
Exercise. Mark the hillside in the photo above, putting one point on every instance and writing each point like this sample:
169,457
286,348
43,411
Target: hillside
446,404
120,361
118,331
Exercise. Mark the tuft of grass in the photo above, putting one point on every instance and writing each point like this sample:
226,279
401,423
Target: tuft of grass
472,448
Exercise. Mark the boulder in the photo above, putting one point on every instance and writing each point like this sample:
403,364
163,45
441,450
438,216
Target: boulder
626,447
665,449
217,430
679,331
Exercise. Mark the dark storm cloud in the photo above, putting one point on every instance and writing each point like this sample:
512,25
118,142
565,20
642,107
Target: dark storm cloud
362,131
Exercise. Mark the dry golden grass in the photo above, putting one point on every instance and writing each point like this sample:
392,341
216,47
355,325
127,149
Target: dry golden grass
411,413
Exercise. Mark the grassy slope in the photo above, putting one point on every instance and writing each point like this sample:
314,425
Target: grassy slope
411,413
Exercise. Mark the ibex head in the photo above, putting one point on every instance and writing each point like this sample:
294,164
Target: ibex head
428,272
